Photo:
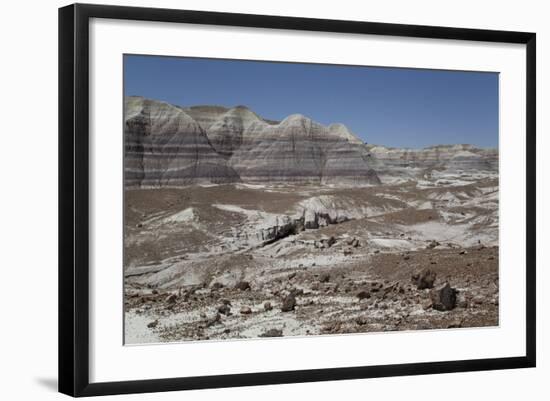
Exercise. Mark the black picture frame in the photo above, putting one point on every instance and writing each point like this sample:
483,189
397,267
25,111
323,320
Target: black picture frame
74,201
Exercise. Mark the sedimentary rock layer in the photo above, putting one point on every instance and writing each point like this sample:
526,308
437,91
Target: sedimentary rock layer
164,146
168,145
172,146
450,157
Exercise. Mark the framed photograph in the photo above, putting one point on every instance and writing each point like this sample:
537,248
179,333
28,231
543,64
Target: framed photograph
250,199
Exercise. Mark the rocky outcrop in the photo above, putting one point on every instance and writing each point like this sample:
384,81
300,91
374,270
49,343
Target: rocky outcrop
278,228
320,211
311,214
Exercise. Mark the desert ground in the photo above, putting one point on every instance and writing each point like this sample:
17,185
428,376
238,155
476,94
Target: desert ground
234,261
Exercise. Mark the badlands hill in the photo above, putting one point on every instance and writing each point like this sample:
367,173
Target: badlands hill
170,146
452,157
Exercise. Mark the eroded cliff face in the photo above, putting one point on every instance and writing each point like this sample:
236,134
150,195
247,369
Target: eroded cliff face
170,146
452,157
299,150
164,146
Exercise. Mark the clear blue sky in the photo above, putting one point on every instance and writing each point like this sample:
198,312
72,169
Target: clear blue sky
387,106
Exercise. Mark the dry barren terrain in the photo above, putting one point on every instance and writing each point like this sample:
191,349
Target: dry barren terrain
242,260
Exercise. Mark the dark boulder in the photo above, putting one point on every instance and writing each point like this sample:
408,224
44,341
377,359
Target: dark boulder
289,303
217,286
224,309
444,298
243,285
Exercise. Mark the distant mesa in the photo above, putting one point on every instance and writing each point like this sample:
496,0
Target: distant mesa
171,146
449,157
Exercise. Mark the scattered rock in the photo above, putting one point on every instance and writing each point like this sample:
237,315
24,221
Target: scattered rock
332,327
245,310
297,291
224,309
433,244
171,299
455,324
267,306
242,285
272,333
363,295
289,303
324,278
478,299
461,301
424,279
153,324
216,319
444,298
426,304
